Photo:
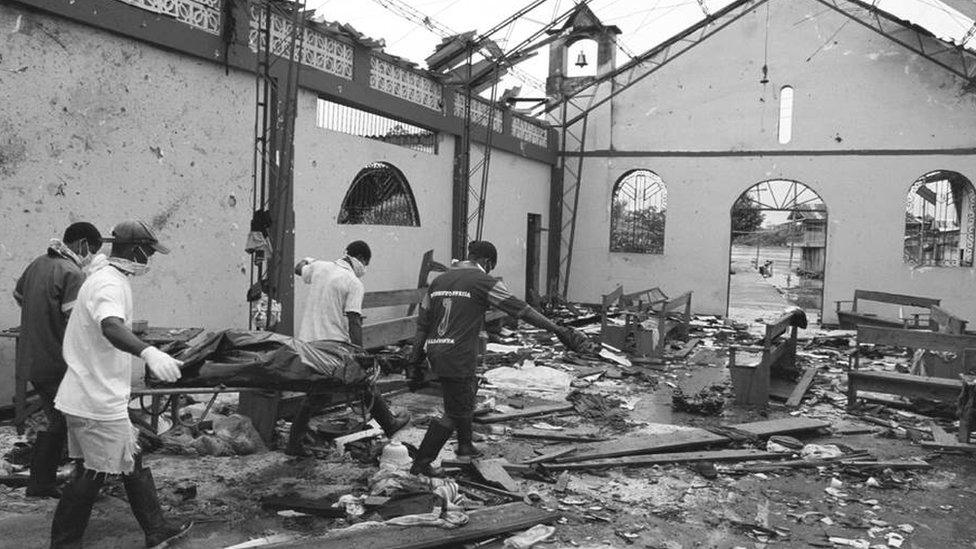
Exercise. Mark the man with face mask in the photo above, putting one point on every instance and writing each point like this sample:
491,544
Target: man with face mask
46,293
94,394
333,311
451,318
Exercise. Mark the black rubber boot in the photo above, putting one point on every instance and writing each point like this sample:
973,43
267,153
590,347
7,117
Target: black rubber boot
436,437
43,482
141,491
466,450
299,426
74,509
389,422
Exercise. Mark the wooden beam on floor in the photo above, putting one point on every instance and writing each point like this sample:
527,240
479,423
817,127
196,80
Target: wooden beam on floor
648,444
663,459
527,412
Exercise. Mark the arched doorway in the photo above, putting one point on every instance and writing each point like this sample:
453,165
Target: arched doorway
778,251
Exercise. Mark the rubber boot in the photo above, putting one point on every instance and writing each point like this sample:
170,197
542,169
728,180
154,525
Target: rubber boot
436,437
389,422
141,491
466,450
299,426
74,509
43,482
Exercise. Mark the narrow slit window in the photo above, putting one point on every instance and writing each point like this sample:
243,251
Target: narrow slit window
785,115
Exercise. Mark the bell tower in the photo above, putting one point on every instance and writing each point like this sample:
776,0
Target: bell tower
585,50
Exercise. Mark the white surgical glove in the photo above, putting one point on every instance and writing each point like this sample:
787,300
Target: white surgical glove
163,366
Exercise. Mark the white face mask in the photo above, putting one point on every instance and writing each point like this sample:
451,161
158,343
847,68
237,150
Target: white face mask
129,266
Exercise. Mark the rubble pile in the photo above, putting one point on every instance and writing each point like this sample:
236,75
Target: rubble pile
615,450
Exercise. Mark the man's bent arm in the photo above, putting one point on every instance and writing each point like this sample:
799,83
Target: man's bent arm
355,328
121,337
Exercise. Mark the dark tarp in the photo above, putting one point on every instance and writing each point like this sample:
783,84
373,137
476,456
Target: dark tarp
243,358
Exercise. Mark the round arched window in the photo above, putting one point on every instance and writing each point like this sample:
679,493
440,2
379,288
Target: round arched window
379,195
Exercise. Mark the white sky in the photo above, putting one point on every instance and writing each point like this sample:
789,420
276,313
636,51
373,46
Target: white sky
644,23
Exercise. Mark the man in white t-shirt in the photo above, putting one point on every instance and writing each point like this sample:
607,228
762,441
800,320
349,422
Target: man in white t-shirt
333,311
94,394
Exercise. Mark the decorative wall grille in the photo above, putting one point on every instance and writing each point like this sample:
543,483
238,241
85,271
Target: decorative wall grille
319,51
202,14
405,84
342,118
479,112
529,132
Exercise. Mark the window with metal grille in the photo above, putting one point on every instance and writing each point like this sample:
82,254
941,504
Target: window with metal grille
637,213
940,221
379,195
353,121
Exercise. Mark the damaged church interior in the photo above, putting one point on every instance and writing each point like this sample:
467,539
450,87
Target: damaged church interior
394,274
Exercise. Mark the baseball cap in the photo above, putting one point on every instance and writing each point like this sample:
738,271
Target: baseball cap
137,232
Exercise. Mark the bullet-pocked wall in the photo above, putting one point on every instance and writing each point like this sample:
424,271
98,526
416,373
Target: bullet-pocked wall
516,188
869,118
327,162
101,128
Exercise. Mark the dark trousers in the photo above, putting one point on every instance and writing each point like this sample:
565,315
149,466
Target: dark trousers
47,390
459,395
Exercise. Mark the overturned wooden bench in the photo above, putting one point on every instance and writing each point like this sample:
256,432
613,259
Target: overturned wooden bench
752,382
850,319
943,385
669,317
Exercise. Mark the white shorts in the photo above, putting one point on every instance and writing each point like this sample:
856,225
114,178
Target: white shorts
105,446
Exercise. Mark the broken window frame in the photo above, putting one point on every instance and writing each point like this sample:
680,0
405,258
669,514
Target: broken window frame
950,238
379,195
646,190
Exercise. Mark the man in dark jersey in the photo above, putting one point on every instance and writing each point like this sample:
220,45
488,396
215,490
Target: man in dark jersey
451,318
46,293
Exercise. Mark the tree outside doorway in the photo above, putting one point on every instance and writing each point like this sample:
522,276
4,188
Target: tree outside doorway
778,251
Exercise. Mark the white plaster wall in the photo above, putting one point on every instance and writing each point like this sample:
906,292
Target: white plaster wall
100,128
516,188
326,164
859,87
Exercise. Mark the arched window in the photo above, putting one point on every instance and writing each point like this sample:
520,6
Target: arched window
940,221
581,58
379,195
637,213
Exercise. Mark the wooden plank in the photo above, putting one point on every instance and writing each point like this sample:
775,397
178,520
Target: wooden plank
527,412
947,322
947,447
915,339
494,474
388,332
661,459
896,299
549,456
648,444
567,435
904,384
482,524
392,298
321,507
801,387
780,426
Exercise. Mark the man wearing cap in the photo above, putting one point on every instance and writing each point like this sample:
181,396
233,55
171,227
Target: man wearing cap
94,394
46,293
333,311
451,318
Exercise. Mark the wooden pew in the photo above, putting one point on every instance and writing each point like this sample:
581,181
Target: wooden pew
390,331
673,317
752,382
644,300
852,318
940,384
